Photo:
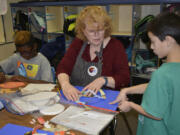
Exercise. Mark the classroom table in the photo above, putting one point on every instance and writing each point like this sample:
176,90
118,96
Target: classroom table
23,120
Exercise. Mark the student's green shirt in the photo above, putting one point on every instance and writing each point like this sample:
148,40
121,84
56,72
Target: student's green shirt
162,100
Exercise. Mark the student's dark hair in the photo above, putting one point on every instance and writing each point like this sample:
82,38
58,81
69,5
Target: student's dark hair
165,24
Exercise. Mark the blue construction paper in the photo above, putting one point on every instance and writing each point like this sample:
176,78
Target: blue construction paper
12,129
94,101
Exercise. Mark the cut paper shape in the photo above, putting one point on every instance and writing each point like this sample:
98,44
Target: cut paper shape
42,98
11,85
34,88
52,110
21,106
30,103
103,95
12,129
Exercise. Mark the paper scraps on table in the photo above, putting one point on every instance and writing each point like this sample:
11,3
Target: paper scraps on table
53,110
11,85
34,88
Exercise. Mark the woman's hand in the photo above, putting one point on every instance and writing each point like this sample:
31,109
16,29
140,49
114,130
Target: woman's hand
2,77
125,106
95,85
70,92
121,97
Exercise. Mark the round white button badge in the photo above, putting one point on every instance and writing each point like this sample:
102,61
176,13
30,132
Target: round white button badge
92,70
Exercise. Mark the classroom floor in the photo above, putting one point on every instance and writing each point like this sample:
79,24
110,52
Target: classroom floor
132,119
121,125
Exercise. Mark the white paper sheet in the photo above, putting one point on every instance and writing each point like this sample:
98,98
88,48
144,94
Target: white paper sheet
33,88
89,122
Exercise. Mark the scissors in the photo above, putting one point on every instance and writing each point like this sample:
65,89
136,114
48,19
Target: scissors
92,92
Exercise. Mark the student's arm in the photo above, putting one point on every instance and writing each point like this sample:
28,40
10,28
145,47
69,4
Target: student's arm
139,109
138,89
20,78
126,106
46,73
7,65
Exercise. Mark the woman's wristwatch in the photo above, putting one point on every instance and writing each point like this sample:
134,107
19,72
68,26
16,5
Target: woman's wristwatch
106,81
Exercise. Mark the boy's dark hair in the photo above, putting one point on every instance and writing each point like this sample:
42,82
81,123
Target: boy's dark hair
165,24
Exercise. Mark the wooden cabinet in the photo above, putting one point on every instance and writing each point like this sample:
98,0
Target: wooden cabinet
2,37
124,14
54,19
6,29
53,16
122,19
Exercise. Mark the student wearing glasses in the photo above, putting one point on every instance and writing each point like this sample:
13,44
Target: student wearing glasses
94,59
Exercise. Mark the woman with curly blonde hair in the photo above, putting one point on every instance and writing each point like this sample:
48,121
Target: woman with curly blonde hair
94,60
89,16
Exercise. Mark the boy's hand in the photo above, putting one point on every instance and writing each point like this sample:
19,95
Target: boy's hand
120,98
2,77
125,106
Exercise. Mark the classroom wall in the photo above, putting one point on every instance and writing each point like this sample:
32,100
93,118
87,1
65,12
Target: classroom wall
8,49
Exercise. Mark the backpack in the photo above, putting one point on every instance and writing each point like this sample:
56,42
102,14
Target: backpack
69,25
38,22
140,28
21,21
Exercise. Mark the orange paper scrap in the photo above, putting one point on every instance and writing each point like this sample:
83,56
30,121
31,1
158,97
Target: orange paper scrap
10,85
